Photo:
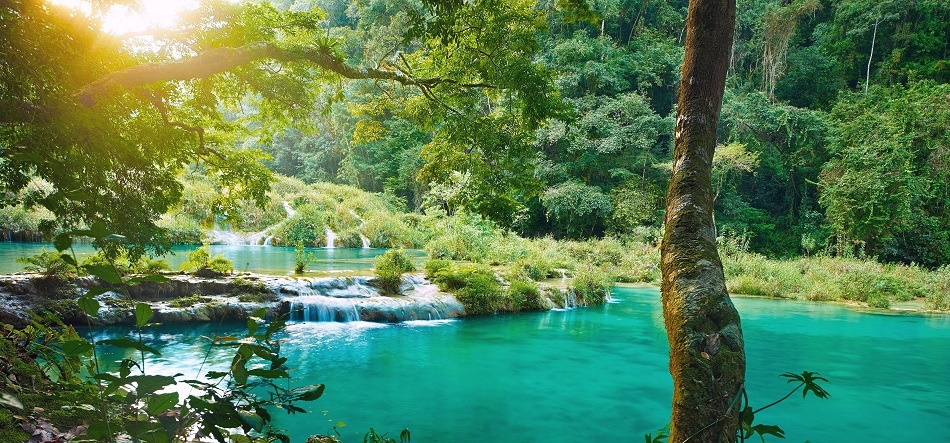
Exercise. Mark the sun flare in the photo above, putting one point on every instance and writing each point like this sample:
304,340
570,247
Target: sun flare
144,15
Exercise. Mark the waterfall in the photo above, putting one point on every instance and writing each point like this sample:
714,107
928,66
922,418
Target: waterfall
331,238
346,299
326,309
219,236
570,299
290,209
365,241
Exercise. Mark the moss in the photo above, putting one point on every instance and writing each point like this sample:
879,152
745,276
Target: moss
10,430
265,297
188,301
58,402
246,286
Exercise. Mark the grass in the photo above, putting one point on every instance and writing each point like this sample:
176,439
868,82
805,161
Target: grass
825,278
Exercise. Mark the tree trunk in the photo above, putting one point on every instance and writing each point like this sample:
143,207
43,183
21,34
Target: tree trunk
707,360
867,79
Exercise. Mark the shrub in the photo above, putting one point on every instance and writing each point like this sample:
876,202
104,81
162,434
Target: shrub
530,269
523,296
201,264
432,267
592,286
938,285
188,301
48,263
389,268
462,236
147,265
475,286
301,259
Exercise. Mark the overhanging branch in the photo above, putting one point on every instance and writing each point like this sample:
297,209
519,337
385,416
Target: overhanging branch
219,60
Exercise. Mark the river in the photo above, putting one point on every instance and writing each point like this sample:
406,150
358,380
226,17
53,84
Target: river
597,374
276,260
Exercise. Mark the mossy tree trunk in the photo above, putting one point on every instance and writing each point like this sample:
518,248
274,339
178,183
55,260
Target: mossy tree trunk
707,360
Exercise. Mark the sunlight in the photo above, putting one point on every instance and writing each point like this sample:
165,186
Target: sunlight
144,15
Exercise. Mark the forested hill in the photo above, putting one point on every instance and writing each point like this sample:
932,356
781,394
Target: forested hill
551,117
834,126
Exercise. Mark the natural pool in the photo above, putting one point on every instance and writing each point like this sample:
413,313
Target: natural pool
599,374
275,260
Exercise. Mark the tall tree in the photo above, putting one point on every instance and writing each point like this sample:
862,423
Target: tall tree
707,359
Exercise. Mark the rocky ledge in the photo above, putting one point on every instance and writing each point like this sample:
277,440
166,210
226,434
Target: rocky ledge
187,298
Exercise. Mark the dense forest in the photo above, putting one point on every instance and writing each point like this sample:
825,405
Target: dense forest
834,128
833,132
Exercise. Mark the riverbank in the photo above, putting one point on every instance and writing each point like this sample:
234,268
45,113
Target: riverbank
190,299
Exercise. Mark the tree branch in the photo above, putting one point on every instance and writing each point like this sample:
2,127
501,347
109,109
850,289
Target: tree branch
219,60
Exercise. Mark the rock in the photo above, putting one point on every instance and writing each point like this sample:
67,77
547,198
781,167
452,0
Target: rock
309,299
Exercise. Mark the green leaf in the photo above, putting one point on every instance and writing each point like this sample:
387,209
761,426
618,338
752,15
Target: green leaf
149,384
104,272
75,348
63,242
128,343
68,259
88,305
10,401
748,416
143,313
239,370
764,430
251,420
239,438
259,313
216,374
251,326
99,431
160,403
308,393
96,290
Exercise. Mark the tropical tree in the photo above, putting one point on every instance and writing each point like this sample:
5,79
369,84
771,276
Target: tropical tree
109,124
707,359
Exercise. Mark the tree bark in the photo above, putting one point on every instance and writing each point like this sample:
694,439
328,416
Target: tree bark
707,360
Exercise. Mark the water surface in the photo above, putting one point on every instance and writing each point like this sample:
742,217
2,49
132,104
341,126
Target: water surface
276,260
599,374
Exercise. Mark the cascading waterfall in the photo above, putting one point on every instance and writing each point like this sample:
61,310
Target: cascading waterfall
220,236
320,308
570,299
363,238
290,209
357,299
331,238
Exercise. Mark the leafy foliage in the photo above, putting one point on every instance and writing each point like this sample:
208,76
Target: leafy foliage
201,263
389,268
